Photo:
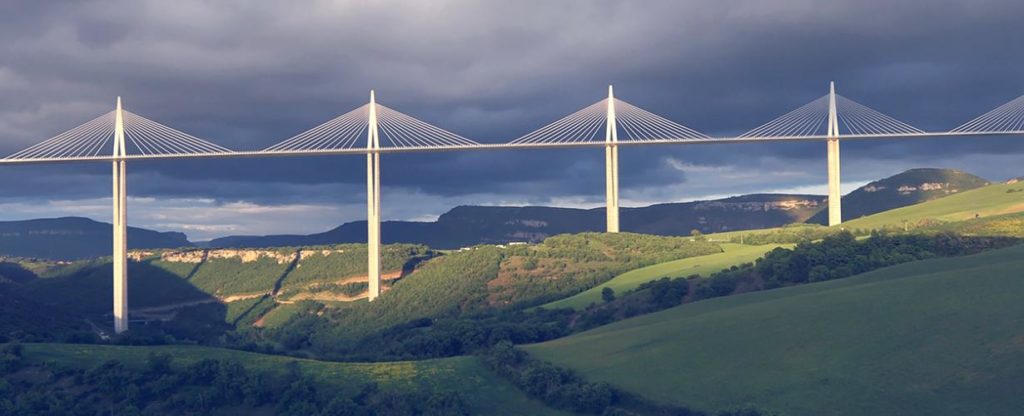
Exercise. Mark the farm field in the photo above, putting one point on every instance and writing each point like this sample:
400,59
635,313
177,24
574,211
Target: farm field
992,200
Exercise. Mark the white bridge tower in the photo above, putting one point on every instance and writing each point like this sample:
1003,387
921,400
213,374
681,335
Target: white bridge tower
120,225
611,166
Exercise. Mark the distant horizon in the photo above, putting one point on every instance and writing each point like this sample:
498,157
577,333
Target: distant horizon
801,191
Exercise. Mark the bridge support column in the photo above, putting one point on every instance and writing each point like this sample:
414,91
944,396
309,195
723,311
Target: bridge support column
373,203
835,211
120,202
611,166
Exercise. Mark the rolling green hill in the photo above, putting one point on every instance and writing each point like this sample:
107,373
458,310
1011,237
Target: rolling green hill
484,391
232,286
992,200
907,188
1001,225
488,278
935,337
703,265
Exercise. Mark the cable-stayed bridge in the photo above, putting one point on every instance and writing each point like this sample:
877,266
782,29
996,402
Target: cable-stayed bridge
374,129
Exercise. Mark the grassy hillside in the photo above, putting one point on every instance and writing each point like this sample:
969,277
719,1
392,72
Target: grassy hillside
21,318
1001,225
702,265
936,337
485,392
165,277
992,200
906,188
488,277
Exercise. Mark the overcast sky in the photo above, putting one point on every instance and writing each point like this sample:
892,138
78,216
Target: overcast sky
247,76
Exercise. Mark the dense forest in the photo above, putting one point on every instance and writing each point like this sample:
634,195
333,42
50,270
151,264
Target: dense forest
209,385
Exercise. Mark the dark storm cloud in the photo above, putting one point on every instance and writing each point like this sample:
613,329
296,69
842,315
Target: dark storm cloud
248,75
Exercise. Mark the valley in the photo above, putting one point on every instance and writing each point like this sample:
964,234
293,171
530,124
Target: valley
773,320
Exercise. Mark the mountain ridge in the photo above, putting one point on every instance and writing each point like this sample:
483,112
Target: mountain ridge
71,238
468,225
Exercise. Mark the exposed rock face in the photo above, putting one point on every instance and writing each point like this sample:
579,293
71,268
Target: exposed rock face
305,254
534,223
928,187
139,255
751,206
245,256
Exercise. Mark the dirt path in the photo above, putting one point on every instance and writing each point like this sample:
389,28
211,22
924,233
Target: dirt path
364,278
163,310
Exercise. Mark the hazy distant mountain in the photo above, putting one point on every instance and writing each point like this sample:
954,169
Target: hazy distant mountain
75,238
907,188
468,225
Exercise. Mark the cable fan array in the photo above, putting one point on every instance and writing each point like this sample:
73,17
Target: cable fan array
588,125
350,131
142,137
811,120
86,140
146,138
1007,118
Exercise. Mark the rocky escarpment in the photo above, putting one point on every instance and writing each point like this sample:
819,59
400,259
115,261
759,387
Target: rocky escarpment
195,256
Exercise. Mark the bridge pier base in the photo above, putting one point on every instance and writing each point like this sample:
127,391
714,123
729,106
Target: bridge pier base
835,212
611,166
373,204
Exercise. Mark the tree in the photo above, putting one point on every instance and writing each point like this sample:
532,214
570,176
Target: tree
608,294
819,273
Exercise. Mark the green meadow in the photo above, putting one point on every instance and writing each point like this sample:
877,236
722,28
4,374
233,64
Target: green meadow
935,337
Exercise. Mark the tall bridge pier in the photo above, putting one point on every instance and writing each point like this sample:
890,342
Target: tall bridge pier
835,210
611,166
120,200
373,202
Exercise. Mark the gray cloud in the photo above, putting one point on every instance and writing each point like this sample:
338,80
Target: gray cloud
248,75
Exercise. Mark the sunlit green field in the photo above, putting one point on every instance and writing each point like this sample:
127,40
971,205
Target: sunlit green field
703,265
988,201
935,337
484,391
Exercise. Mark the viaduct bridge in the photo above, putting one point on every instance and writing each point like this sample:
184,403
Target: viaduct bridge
373,129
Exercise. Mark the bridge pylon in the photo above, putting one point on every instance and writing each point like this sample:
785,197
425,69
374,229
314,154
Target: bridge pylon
373,201
835,211
611,166
120,205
